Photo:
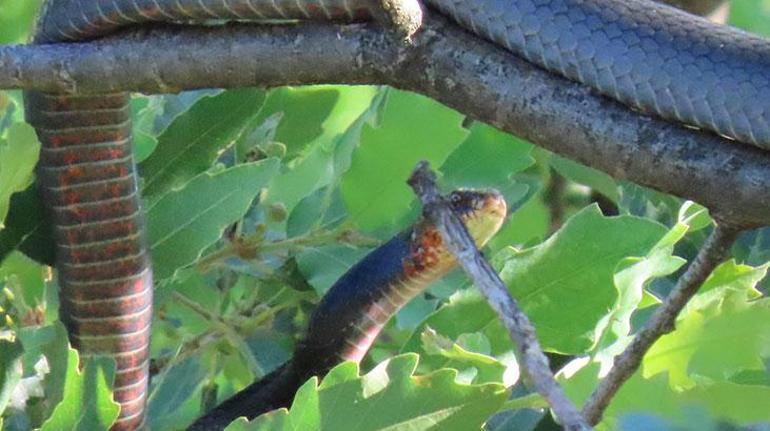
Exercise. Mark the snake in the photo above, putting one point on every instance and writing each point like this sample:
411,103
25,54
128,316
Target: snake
355,309
648,56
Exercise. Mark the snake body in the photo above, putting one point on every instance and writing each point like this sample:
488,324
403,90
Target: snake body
350,316
648,56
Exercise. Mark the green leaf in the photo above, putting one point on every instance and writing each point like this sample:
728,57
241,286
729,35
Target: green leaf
631,276
16,20
25,279
144,111
466,312
313,171
192,142
10,369
694,215
50,342
413,128
566,289
727,278
87,403
303,111
638,394
487,158
325,151
315,113
18,156
590,177
388,398
27,228
644,202
184,222
719,333
751,15
565,285
741,404
471,351
323,266
173,390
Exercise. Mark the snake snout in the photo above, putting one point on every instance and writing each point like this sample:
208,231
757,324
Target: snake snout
495,204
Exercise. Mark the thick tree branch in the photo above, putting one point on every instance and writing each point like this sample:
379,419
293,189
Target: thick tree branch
712,253
443,62
461,244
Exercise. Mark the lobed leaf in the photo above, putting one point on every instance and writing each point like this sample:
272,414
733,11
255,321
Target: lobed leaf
388,398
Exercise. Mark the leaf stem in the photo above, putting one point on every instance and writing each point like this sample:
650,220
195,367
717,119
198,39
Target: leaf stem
530,401
252,246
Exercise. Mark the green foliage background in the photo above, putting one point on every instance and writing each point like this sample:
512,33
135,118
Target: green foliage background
305,181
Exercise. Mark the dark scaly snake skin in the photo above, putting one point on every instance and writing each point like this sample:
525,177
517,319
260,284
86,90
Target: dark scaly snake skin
354,311
646,55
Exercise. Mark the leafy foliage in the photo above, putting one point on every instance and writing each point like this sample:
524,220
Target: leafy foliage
389,397
87,401
18,154
256,201
191,143
213,201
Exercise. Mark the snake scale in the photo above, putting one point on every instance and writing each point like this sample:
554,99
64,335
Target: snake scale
648,56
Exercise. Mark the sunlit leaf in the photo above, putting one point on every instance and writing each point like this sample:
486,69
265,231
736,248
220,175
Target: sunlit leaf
325,133
631,277
390,397
487,158
413,128
719,333
18,155
565,285
87,404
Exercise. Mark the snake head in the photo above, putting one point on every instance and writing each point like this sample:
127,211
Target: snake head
482,212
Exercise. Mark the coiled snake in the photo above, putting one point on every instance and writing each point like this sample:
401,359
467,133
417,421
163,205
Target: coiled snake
649,56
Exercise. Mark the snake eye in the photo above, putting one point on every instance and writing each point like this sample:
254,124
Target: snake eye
455,198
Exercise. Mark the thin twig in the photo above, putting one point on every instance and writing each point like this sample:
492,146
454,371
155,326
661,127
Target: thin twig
712,253
252,246
460,244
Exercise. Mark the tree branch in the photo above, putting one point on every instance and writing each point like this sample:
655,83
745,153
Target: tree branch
712,253
461,245
443,62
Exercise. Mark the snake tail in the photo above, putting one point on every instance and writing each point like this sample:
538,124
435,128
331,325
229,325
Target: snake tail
352,313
